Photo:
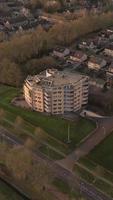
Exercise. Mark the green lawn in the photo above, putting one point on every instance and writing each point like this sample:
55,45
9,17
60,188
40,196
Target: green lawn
50,153
91,165
6,193
83,174
55,126
103,153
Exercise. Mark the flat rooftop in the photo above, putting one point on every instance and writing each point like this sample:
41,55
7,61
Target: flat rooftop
54,78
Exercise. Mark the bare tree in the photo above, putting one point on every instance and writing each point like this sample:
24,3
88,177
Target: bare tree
40,135
18,123
2,113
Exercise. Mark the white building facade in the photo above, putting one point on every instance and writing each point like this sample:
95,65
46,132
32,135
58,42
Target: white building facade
56,92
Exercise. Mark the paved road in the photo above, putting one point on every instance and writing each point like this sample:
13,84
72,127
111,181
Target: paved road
87,189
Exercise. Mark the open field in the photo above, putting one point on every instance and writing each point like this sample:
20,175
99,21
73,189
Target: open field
55,127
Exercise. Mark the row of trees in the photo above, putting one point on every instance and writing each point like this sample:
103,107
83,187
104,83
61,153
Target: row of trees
47,5
33,175
58,5
23,48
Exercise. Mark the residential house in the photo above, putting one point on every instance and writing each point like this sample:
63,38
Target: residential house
96,63
85,45
61,52
95,44
8,25
77,57
109,50
24,11
109,75
108,33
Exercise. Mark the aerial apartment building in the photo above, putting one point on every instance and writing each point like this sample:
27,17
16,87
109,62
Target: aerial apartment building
56,92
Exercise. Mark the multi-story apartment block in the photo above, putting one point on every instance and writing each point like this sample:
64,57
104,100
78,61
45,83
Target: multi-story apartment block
56,92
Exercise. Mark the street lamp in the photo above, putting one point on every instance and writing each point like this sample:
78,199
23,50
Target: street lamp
104,130
68,136
47,150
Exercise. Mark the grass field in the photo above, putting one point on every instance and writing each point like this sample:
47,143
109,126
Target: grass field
100,160
50,153
94,179
6,193
54,126
93,167
103,153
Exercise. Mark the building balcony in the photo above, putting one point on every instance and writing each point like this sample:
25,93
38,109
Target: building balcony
46,104
47,98
85,93
47,94
47,107
68,96
84,98
68,110
84,103
67,106
77,108
86,84
85,87
47,110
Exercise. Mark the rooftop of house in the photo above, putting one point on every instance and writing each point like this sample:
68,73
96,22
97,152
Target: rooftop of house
95,59
78,54
107,32
16,19
60,49
110,46
96,40
111,65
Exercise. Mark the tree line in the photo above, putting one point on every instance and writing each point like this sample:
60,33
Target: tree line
33,175
32,48
60,5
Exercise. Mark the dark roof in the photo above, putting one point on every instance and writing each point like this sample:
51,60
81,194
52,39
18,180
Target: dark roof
96,60
60,49
110,46
78,54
